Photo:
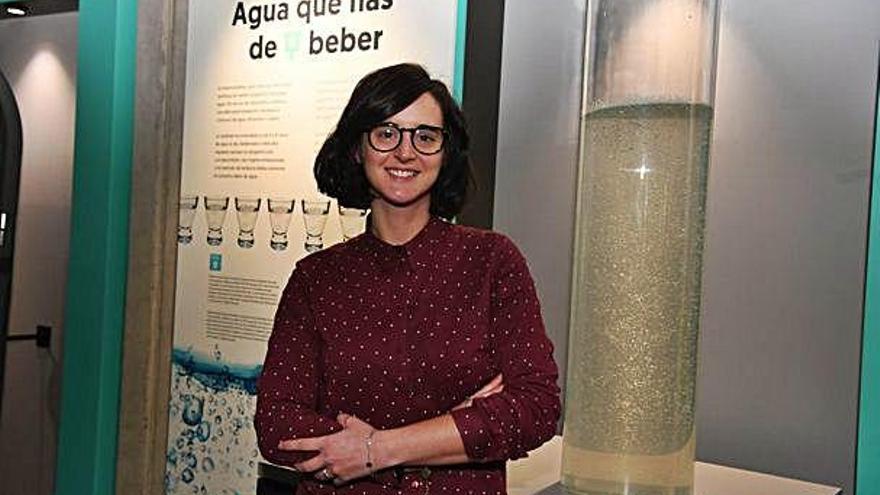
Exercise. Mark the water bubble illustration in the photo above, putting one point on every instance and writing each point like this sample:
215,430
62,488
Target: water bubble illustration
212,442
203,432
190,460
192,410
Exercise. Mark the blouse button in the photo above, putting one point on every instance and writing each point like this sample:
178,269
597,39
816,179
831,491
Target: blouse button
416,484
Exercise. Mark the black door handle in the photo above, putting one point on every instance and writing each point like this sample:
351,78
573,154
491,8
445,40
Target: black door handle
43,336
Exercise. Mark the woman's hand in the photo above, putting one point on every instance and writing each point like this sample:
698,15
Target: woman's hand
342,456
493,387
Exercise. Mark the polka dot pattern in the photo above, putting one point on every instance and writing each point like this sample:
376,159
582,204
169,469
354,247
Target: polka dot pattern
400,334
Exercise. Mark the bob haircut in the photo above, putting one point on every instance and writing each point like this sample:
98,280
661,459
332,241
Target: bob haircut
378,96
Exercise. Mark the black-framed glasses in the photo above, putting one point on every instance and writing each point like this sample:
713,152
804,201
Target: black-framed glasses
426,139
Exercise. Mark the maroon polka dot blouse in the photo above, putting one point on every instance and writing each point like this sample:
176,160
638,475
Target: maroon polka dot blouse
398,334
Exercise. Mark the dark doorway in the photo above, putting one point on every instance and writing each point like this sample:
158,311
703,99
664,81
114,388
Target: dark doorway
10,168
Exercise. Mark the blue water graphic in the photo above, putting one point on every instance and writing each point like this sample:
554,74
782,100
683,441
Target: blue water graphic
216,375
212,443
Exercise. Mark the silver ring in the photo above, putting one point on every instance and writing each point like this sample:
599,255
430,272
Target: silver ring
324,474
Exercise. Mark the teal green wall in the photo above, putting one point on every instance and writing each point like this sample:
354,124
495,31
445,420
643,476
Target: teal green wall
98,247
868,457
460,45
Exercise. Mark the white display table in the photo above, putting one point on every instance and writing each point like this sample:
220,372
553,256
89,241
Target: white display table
539,473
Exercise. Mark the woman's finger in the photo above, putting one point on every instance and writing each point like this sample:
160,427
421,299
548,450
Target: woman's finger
343,419
494,382
464,404
358,426
313,443
488,393
498,380
494,386
313,464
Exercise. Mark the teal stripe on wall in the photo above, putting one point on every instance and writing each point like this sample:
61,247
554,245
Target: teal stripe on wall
94,310
868,455
460,45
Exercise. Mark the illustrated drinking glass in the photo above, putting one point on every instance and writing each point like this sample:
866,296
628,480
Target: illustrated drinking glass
280,210
186,216
215,213
352,221
248,209
315,213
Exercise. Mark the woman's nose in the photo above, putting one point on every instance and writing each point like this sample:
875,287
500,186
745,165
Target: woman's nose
405,151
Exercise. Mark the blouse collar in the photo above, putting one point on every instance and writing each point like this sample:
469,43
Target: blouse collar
414,249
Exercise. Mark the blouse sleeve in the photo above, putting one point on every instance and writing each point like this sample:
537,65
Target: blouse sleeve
524,415
287,390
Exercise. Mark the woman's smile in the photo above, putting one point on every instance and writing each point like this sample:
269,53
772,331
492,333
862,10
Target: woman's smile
401,173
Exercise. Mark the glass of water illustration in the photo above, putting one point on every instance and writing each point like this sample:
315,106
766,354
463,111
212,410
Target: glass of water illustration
215,213
352,221
185,218
248,209
280,210
315,213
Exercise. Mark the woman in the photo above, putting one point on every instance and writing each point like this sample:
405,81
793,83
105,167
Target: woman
411,358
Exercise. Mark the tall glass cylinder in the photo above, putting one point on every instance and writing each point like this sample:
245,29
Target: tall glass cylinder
646,125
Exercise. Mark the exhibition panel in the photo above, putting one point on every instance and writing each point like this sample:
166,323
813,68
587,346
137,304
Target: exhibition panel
265,84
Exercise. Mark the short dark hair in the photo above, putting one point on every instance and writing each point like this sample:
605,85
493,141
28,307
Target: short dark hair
379,95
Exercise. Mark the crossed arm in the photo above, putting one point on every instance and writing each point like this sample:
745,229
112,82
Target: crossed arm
345,454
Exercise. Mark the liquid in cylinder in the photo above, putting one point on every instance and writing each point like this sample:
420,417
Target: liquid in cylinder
629,419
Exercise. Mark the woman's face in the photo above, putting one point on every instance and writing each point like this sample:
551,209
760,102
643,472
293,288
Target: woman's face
403,177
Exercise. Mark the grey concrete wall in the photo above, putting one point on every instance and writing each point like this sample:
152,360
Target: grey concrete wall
783,273
38,56
149,307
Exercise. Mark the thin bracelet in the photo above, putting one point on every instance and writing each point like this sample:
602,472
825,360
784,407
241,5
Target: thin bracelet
368,441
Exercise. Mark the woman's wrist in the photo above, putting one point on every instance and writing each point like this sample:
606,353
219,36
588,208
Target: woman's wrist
382,452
